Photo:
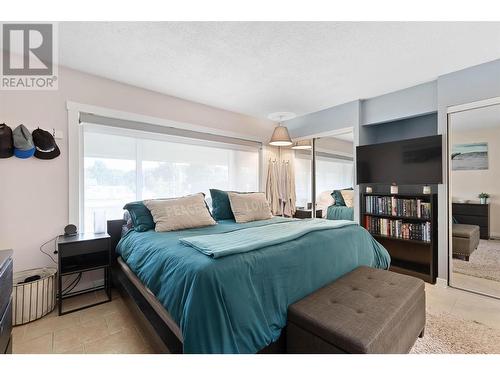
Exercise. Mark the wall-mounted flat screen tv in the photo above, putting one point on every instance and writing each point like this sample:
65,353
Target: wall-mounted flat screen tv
408,162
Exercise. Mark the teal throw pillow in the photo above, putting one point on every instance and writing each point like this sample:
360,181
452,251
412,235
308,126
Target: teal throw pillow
221,207
140,215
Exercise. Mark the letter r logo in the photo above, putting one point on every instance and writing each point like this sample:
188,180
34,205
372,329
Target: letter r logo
28,49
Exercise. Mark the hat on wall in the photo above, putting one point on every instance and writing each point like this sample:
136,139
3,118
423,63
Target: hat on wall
6,145
23,142
45,144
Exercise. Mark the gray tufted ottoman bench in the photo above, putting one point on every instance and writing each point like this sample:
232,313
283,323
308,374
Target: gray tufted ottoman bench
366,311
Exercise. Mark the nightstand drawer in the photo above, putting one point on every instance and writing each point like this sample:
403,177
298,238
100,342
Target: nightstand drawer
83,247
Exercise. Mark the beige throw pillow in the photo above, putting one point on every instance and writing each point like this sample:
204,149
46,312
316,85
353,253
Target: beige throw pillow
348,196
249,207
180,213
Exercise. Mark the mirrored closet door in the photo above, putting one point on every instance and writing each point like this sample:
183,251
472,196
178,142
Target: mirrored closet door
474,197
303,159
334,176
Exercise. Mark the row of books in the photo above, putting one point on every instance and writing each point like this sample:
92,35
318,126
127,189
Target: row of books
398,228
398,207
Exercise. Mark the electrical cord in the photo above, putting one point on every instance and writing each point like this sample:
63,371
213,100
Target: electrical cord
55,250
72,285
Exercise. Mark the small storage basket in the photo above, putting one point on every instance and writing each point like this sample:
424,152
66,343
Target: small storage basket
32,300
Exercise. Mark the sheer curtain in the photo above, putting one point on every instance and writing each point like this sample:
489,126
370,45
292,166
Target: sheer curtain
123,166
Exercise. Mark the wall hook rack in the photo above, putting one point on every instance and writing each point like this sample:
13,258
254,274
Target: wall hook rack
57,134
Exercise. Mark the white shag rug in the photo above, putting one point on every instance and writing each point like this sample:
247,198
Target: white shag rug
447,334
483,263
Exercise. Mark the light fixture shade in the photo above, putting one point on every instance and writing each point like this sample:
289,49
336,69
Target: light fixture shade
280,137
305,144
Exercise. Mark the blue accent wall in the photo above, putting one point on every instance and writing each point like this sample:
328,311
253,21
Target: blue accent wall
334,118
415,127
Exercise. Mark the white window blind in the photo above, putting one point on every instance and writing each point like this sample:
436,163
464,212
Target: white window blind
333,174
122,165
302,180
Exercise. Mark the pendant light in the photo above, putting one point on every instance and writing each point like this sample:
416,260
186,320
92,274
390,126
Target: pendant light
280,135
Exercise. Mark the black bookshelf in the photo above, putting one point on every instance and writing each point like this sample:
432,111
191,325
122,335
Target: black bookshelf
415,256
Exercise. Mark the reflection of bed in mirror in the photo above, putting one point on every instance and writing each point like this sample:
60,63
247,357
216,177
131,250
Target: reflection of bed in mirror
334,175
336,204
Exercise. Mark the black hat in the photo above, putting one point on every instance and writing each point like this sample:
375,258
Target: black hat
46,146
6,143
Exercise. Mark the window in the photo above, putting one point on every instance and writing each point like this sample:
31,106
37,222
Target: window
121,166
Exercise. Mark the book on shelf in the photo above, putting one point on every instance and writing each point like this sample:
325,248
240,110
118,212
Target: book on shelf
383,205
398,228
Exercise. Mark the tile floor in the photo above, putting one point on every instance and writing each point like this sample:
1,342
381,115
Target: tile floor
113,328
106,328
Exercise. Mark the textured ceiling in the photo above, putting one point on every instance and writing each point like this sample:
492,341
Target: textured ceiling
262,67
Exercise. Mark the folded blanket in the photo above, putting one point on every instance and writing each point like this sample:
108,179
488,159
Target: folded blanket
245,240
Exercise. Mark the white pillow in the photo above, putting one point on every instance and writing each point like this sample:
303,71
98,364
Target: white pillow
325,200
180,213
248,207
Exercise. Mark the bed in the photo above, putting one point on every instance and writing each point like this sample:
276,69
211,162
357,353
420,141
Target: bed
236,303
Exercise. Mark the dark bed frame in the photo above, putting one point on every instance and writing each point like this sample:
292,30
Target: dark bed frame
122,282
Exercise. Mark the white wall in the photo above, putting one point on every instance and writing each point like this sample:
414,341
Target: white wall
468,184
34,193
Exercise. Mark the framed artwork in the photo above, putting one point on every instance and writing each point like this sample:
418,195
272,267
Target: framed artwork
469,156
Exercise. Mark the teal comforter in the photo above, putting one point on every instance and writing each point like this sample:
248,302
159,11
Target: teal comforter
238,303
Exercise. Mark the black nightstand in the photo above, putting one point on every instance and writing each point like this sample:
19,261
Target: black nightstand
83,253
302,213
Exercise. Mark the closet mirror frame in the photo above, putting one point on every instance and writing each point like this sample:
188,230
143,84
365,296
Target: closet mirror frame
453,110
